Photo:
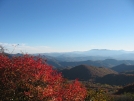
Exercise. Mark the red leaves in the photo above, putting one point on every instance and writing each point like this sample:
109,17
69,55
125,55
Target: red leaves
32,78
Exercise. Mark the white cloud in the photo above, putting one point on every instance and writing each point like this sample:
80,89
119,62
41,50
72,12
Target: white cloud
19,48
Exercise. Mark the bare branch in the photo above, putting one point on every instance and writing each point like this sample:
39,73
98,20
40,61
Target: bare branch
2,50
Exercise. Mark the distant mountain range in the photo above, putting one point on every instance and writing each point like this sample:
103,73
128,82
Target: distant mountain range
95,57
70,59
94,54
108,63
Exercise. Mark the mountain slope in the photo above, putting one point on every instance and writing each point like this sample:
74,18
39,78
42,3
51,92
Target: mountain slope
52,61
100,63
108,63
85,72
116,79
126,89
123,68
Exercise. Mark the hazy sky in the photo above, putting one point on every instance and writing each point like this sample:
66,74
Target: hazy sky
66,25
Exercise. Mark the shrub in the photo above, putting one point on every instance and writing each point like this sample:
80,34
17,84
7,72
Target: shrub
97,95
28,78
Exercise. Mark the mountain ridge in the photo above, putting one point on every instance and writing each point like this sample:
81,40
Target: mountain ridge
123,68
86,72
93,54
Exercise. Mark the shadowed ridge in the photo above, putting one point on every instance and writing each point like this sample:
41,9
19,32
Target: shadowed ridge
85,72
123,68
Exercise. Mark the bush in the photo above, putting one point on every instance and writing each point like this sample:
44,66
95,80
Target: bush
28,78
97,95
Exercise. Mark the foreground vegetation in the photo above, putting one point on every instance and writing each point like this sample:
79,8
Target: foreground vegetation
28,78
105,92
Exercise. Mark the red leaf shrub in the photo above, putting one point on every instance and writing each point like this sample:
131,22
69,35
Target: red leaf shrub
29,78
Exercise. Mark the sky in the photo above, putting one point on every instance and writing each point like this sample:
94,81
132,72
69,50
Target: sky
39,26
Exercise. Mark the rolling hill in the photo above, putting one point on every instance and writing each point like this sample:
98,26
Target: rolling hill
108,63
85,72
123,68
116,79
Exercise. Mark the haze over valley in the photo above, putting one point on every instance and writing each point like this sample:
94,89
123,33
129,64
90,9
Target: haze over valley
96,65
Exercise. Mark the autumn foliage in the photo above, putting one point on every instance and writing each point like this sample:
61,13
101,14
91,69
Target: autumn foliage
28,78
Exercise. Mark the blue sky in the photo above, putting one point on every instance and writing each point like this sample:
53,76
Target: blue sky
66,25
